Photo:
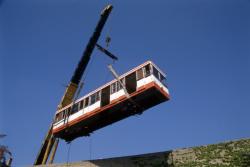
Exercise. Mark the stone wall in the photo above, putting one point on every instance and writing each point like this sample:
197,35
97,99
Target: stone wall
227,154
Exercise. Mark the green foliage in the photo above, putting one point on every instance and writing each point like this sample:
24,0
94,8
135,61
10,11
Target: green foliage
231,154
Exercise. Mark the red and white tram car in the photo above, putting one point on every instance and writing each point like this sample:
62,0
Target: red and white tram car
109,103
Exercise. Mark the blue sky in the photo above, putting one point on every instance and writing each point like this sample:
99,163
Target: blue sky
202,45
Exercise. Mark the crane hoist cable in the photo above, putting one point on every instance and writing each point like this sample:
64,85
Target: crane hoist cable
68,153
107,40
90,148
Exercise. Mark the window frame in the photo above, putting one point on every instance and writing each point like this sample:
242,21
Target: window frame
113,88
81,104
86,104
156,73
119,85
95,97
75,108
92,99
137,74
146,72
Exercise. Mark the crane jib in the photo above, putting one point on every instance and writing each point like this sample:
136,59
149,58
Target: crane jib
49,141
90,47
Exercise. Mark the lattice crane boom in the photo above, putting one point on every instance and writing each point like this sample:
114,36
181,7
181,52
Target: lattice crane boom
50,142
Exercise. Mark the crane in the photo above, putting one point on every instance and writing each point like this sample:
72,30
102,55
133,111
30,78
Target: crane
50,143
5,162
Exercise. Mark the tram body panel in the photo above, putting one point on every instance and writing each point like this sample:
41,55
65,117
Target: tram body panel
115,96
109,103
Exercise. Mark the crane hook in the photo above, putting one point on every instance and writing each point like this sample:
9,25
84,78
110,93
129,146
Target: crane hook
108,40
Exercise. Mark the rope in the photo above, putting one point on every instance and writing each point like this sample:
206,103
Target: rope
108,38
78,93
68,154
107,74
90,148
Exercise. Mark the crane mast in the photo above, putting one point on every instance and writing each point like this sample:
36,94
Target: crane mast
50,143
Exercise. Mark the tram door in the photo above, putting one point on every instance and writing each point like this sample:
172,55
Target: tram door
130,81
105,96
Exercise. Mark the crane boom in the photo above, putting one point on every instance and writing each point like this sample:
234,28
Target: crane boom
74,82
50,141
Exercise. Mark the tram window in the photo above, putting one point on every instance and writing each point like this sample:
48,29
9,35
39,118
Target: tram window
74,109
162,78
63,113
66,112
81,105
116,86
113,88
147,70
57,117
86,102
60,116
155,72
119,86
92,99
98,96
139,74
